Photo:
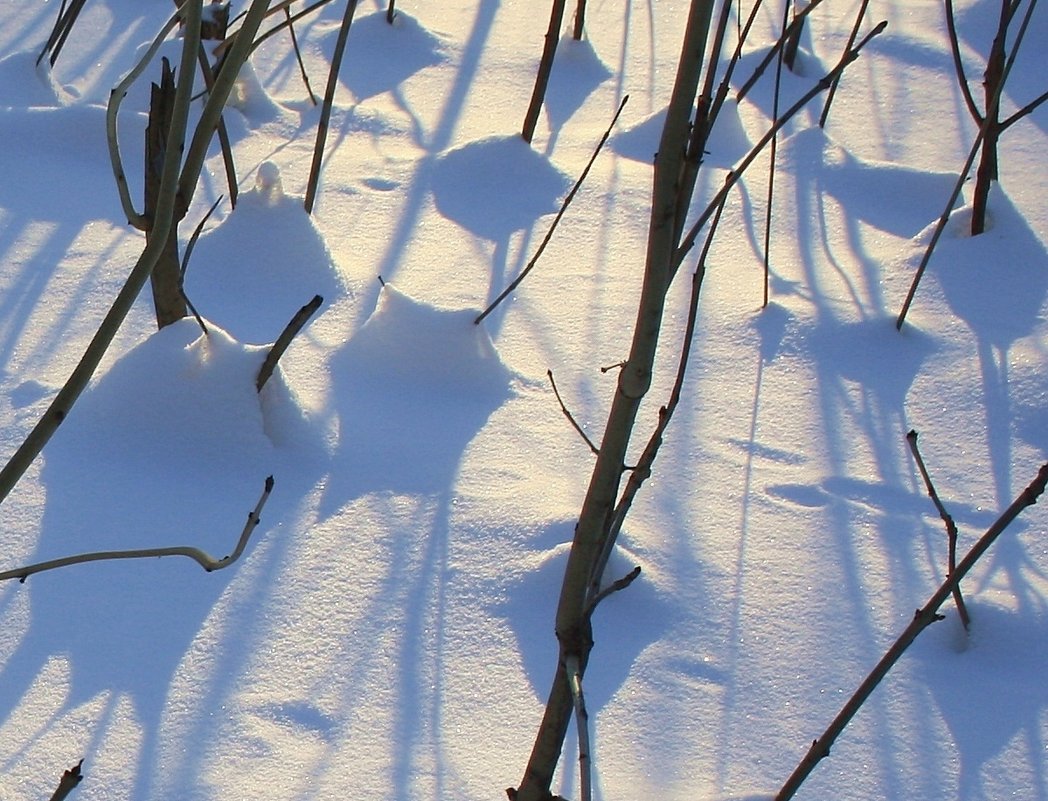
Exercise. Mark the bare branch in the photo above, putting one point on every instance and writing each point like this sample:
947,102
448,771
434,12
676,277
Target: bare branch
207,562
325,109
851,40
1024,111
958,65
924,617
823,84
556,220
787,33
568,414
611,589
951,526
289,333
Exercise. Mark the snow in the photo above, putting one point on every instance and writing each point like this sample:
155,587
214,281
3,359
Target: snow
389,630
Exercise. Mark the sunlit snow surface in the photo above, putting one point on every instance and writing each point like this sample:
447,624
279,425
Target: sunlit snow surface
388,632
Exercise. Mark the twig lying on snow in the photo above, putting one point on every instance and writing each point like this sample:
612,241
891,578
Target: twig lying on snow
923,618
209,563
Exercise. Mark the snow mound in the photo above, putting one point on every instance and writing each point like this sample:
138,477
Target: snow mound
26,84
255,270
726,146
577,72
179,399
419,346
379,56
414,386
996,282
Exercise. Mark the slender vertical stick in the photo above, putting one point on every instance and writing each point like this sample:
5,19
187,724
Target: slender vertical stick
298,53
771,166
325,109
549,50
574,671
580,21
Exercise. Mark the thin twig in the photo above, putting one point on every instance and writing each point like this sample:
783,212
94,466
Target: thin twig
298,54
574,670
568,414
284,340
688,242
642,471
958,65
771,165
923,618
222,131
185,265
325,109
851,40
206,561
556,220
795,24
951,527
1027,109
70,779
615,586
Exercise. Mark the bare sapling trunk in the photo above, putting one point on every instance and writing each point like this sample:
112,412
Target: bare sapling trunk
993,80
575,607
549,50
165,280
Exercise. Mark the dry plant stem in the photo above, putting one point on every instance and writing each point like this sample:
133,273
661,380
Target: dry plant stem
298,51
788,53
567,414
771,165
924,617
116,97
549,50
951,527
325,109
725,84
168,203
556,220
572,621
642,471
940,226
574,671
70,779
390,12
209,563
580,21
223,133
795,25
688,242
67,16
290,331
958,65
851,40
278,28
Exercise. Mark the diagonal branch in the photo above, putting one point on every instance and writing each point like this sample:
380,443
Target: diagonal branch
1024,111
924,617
571,418
209,563
556,220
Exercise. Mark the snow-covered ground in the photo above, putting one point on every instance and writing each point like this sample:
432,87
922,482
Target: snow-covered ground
388,632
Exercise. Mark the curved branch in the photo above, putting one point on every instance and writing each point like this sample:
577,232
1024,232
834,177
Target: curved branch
116,97
209,563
